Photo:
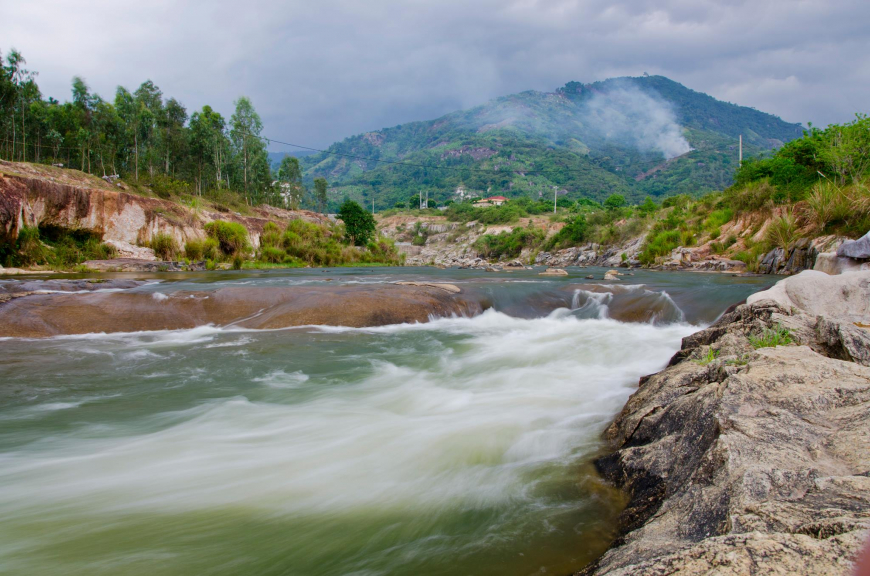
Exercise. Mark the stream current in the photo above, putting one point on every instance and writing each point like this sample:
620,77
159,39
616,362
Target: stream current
458,446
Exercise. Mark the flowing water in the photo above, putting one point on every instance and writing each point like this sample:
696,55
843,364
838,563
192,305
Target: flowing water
460,446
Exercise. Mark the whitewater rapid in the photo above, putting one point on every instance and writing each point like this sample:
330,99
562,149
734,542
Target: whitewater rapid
490,414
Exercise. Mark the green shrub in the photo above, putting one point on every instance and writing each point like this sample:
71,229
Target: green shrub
508,244
659,244
271,236
772,337
30,248
232,237
164,245
572,234
193,249
210,249
272,254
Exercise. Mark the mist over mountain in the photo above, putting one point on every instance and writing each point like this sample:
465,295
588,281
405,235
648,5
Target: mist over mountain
636,136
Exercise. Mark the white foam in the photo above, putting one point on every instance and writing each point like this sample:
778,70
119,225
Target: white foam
493,398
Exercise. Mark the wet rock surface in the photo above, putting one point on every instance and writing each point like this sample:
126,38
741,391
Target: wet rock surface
42,315
745,460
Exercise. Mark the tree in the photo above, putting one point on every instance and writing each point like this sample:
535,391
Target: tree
320,187
209,145
290,180
359,224
648,206
400,205
250,149
615,201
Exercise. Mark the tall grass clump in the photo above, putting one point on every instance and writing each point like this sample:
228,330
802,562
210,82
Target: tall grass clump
232,237
783,231
164,245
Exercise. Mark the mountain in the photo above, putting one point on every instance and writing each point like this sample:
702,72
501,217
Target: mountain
634,136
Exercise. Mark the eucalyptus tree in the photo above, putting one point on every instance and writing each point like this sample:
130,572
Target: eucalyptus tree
290,180
251,156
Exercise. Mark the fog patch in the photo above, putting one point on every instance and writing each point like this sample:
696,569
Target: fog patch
636,118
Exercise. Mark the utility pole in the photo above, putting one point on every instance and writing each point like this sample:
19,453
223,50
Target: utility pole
740,154
420,207
373,204
427,199
555,193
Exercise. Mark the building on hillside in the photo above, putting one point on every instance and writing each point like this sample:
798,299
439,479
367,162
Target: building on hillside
491,201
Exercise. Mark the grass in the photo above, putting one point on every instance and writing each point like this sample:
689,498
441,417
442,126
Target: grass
772,337
164,246
709,357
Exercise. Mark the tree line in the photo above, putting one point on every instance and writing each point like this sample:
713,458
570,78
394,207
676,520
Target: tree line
144,137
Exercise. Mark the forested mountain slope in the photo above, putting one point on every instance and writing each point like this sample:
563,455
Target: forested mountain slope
635,136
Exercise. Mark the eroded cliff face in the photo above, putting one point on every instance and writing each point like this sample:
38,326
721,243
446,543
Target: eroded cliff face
745,460
34,195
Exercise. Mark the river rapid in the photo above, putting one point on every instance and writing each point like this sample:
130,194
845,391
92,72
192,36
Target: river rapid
458,446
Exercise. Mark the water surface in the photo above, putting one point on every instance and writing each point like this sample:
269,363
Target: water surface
461,446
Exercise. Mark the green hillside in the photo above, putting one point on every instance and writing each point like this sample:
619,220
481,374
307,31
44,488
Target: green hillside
586,140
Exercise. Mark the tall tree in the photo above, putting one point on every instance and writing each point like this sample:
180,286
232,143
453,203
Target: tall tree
320,188
290,180
250,149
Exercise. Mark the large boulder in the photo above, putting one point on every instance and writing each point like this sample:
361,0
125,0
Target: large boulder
741,459
858,249
845,296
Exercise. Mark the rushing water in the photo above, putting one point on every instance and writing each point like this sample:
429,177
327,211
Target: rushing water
461,446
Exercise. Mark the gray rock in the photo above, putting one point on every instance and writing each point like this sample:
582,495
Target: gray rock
858,249
845,296
757,462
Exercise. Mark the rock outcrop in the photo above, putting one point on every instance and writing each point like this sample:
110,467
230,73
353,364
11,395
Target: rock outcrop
35,195
743,459
35,315
858,249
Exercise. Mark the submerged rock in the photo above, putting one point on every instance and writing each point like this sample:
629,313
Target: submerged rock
41,315
745,460
554,272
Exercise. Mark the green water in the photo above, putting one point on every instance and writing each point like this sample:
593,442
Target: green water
461,446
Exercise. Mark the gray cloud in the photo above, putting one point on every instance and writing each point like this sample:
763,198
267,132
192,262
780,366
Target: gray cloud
319,71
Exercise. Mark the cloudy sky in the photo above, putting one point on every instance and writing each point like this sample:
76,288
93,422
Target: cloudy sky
320,70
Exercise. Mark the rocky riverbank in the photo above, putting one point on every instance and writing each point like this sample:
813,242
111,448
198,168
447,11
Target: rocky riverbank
748,457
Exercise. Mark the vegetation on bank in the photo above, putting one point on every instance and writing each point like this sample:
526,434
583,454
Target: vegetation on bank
54,248
299,243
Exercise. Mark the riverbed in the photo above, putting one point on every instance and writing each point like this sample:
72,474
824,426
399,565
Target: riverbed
462,445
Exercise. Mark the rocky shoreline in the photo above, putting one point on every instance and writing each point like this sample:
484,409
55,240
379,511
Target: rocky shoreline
745,457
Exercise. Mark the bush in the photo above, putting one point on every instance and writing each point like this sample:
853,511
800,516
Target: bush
232,237
272,254
659,244
164,245
271,236
572,234
30,248
193,249
508,244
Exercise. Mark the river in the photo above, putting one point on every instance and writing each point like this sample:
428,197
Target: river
459,446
